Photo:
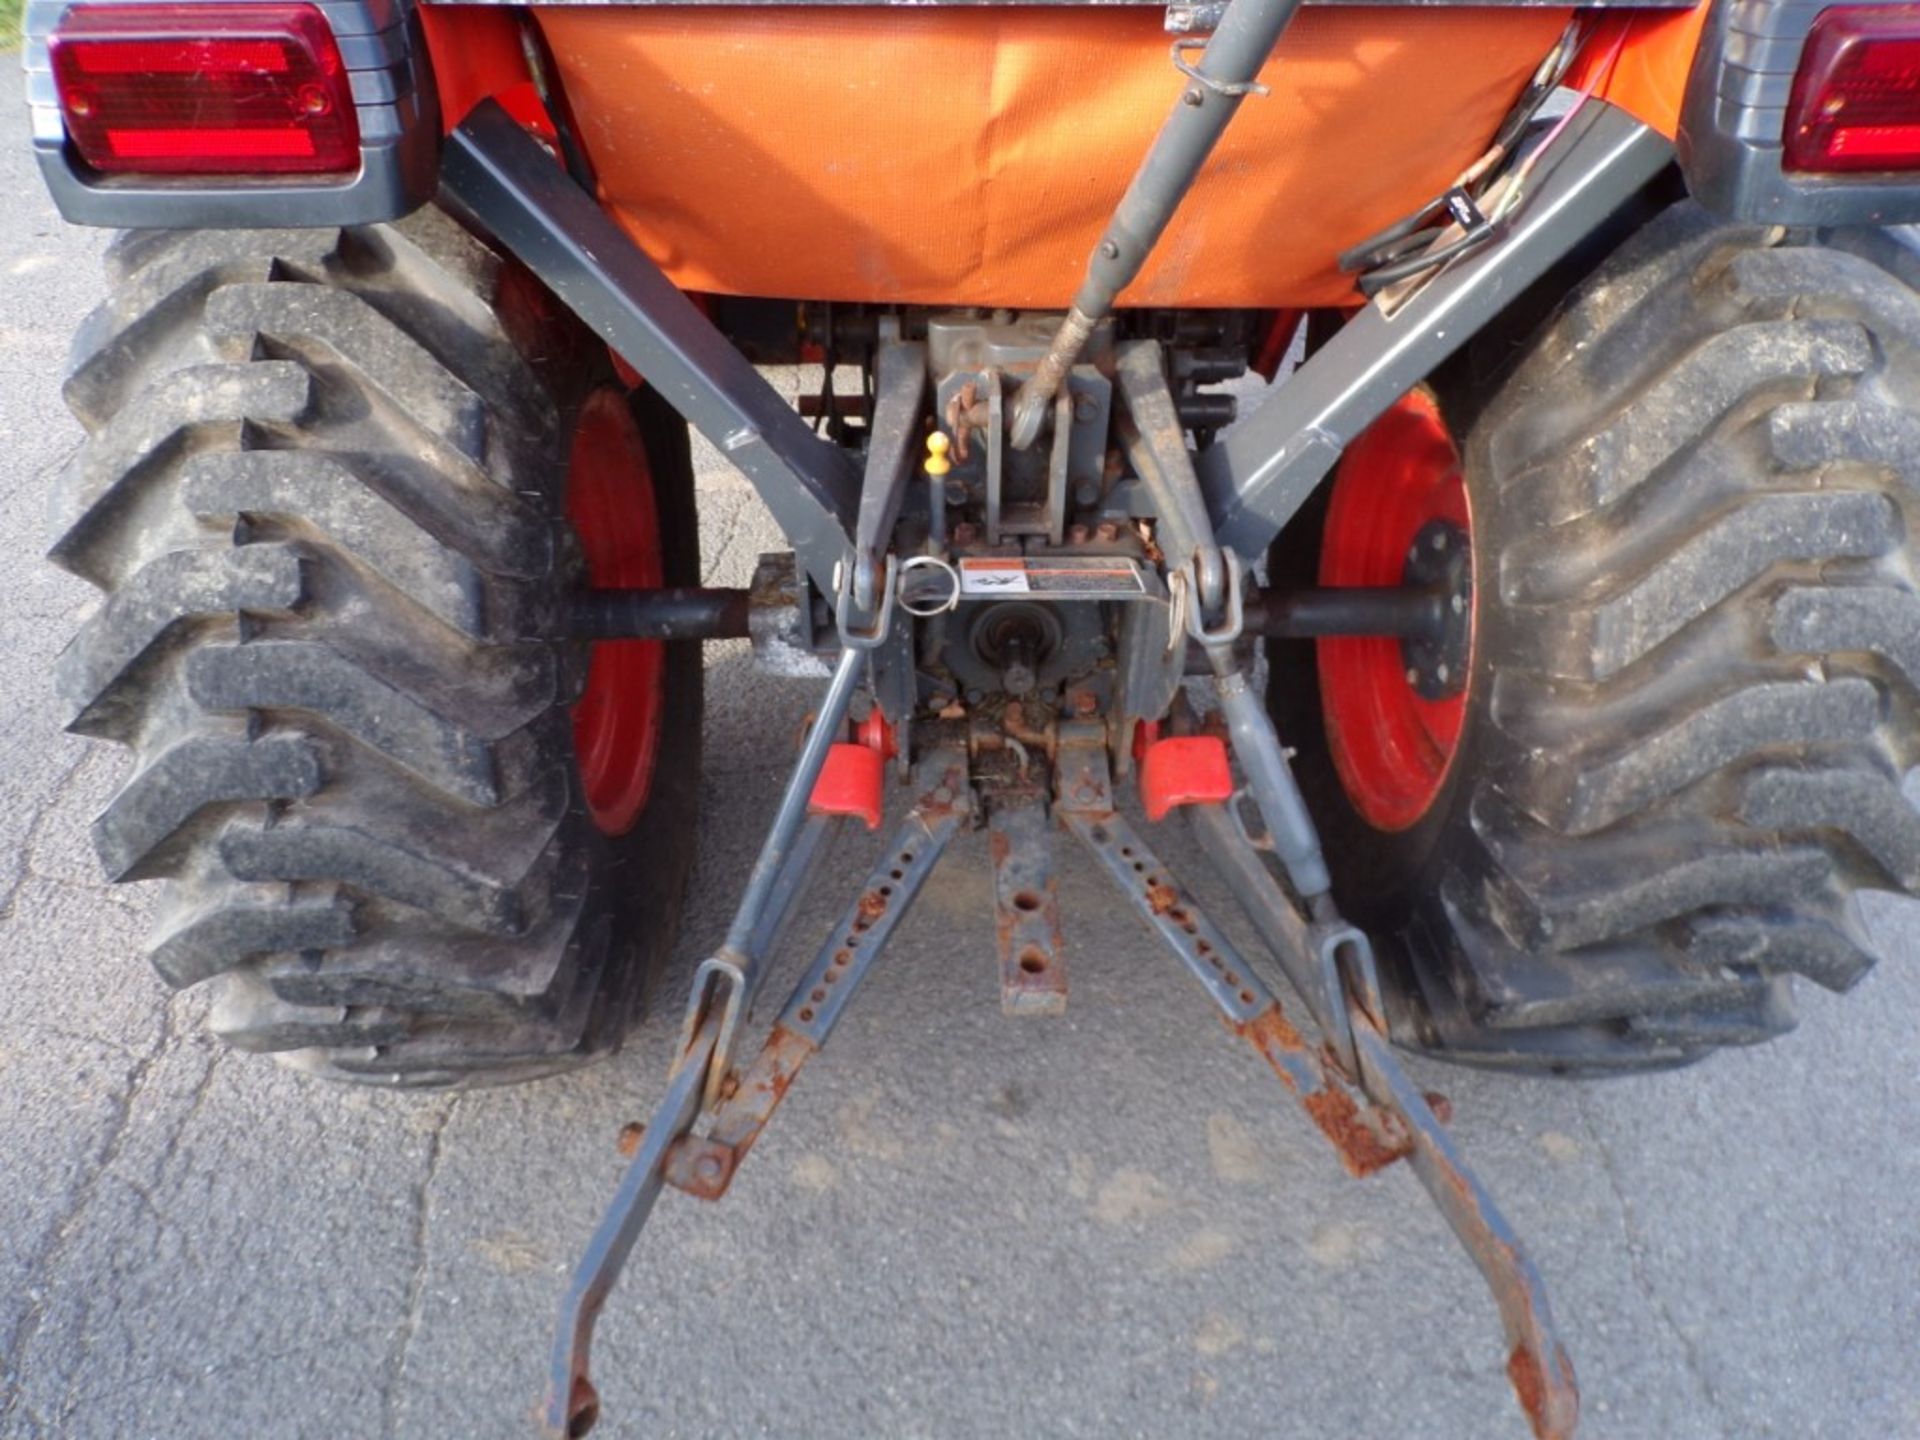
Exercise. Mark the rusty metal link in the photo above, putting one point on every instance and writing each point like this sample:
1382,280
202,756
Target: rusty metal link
704,1165
1538,1367
1033,959
1365,1138
1366,1105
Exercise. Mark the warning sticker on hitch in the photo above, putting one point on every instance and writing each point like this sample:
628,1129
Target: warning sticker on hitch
1059,577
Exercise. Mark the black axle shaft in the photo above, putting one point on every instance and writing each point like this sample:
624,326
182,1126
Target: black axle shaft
671,613
1406,613
683,613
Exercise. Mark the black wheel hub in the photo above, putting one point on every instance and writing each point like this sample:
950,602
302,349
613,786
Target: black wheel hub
1440,561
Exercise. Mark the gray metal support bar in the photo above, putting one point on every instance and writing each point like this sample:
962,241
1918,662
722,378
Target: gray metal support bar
572,1404
1157,445
792,814
810,850
1260,474
1033,958
1269,779
502,177
900,388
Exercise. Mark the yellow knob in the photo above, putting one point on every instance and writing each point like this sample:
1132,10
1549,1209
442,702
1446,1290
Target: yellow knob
937,447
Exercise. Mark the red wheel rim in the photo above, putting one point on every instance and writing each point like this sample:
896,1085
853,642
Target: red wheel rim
1391,746
616,725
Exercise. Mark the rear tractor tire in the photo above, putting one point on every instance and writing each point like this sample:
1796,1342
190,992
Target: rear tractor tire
406,835
1678,750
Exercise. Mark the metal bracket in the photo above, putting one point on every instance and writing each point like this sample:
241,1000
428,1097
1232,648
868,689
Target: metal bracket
1202,18
1199,77
1033,961
1057,459
1258,476
996,454
873,634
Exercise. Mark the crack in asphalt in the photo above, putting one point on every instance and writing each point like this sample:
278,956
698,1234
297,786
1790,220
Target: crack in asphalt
47,467
23,862
714,562
43,1264
1636,1264
417,1281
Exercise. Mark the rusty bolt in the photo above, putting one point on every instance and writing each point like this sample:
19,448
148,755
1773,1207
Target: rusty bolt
708,1166
965,533
730,1085
1441,1106
1086,702
1106,530
1076,534
630,1136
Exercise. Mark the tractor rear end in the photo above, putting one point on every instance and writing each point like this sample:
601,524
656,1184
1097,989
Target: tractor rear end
1536,664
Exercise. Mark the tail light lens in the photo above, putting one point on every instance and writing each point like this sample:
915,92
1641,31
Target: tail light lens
1856,99
210,89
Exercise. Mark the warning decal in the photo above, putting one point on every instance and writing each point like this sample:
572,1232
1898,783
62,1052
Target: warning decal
1071,577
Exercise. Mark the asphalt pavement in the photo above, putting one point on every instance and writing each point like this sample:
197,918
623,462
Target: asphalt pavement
1107,1224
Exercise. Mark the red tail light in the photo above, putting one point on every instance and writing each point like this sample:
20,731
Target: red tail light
209,89
1856,98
